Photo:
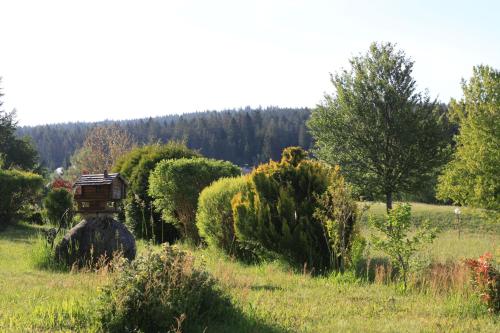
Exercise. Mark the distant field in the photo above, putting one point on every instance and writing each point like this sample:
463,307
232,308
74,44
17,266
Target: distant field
477,236
440,216
271,297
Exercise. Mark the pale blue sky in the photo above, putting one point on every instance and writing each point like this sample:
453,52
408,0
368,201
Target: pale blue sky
91,60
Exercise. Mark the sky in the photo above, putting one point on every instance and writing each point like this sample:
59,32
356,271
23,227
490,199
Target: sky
66,61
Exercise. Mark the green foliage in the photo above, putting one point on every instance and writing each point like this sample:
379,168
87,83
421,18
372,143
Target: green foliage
136,167
338,213
176,185
472,178
386,137
398,241
15,152
59,206
214,218
18,188
42,255
155,290
279,211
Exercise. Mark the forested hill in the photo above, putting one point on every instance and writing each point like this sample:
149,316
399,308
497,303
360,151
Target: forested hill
242,136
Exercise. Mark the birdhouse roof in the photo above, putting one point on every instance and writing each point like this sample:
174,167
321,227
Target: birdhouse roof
98,179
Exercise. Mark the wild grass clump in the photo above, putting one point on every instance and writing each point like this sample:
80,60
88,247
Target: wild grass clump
42,255
159,291
442,278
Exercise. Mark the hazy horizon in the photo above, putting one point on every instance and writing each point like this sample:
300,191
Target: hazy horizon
85,62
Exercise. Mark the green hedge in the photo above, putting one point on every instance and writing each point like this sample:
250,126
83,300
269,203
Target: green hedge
17,188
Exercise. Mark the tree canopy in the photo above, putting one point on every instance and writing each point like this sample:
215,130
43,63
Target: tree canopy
472,177
102,147
387,137
242,136
14,151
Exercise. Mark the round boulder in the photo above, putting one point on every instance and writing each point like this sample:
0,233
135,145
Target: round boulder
93,238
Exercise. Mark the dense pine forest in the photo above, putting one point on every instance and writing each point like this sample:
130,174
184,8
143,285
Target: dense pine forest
243,136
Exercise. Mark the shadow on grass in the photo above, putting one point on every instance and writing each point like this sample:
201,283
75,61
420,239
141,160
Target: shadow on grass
236,321
266,287
20,233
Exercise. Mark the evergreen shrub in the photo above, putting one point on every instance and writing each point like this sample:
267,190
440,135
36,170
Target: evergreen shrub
59,207
297,208
176,185
215,222
17,189
139,213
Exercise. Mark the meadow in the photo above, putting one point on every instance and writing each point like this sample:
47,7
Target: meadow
272,297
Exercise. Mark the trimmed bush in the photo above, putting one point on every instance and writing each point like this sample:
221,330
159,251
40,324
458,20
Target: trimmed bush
59,207
278,210
136,166
151,293
17,188
214,217
176,185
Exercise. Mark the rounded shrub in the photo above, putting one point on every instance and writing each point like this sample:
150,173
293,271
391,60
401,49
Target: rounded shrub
17,189
214,218
59,206
136,167
176,185
156,290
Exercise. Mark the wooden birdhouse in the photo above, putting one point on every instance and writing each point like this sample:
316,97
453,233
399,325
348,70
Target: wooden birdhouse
99,193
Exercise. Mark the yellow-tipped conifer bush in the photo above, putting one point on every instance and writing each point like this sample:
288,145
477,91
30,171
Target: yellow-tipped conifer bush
288,208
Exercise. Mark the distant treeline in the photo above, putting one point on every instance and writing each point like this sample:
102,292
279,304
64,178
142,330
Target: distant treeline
242,136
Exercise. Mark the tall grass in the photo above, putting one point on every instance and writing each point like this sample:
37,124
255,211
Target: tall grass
42,255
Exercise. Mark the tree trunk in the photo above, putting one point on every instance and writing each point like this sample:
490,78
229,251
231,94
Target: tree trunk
388,201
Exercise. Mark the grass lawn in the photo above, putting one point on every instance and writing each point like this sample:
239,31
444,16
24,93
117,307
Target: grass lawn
268,298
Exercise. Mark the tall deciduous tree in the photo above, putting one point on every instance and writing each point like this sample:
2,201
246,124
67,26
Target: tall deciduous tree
473,176
386,136
103,146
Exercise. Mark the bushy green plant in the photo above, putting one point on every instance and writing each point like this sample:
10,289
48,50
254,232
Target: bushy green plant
214,218
278,210
42,255
176,185
59,207
400,242
154,290
338,213
136,166
17,188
